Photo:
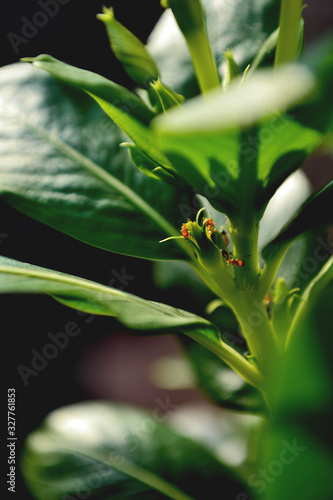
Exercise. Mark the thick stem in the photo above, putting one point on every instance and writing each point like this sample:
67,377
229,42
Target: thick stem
290,18
203,61
245,247
245,231
190,17
257,331
236,361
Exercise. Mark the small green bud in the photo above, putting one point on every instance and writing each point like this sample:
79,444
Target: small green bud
129,50
232,70
202,235
163,97
149,167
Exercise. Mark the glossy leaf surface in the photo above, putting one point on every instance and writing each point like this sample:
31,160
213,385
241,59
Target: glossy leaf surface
84,295
92,82
114,451
61,164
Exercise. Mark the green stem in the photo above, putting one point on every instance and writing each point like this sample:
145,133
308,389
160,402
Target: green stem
203,61
257,331
270,271
290,18
190,17
236,361
245,247
244,231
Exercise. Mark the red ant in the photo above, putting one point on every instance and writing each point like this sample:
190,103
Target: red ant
210,224
184,231
233,262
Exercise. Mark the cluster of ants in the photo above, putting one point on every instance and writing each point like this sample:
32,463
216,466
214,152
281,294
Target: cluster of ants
209,223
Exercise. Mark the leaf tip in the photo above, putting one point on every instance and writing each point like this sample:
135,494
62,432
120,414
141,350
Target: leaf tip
107,14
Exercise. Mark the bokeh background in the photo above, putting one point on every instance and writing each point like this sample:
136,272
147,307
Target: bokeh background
103,361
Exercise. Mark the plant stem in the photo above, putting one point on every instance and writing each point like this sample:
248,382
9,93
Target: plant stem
269,273
190,17
236,361
290,18
203,61
257,331
244,231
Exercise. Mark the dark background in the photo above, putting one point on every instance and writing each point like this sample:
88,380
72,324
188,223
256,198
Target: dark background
95,364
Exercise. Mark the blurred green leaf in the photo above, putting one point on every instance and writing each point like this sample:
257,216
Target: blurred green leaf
113,451
61,164
267,93
301,398
314,212
317,111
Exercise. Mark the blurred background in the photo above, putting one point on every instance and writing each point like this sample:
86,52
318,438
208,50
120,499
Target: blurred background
102,361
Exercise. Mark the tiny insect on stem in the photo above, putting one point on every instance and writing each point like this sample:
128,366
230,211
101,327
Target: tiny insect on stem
209,223
184,231
233,262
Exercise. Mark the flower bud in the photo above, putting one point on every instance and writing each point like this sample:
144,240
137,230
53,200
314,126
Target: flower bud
231,71
163,97
129,50
204,238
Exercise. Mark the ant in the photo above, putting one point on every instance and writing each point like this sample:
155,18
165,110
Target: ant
233,262
210,224
184,231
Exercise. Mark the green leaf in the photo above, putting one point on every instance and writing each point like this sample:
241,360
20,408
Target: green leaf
93,83
282,143
238,25
301,397
267,93
142,137
18,277
163,97
61,164
129,50
315,211
113,451
129,121
132,311
212,160
148,167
